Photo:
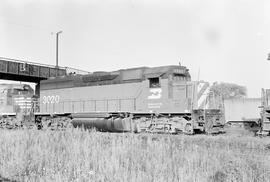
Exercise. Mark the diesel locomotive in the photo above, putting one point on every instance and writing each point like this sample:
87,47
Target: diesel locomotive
151,99
157,99
15,98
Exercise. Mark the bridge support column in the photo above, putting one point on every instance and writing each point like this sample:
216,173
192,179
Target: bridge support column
37,90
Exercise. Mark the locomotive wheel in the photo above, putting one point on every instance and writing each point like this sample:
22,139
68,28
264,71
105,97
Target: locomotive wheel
188,129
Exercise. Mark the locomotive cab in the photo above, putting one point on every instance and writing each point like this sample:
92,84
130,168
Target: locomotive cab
167,90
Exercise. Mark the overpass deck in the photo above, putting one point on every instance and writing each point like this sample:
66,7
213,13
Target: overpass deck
19,70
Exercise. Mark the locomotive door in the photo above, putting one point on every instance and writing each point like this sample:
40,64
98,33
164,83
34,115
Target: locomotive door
182,94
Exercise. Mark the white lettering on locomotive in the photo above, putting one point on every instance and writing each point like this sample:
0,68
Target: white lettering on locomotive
154,105
155,93
50,99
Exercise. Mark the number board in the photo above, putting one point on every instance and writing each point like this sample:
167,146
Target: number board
51,99
179,71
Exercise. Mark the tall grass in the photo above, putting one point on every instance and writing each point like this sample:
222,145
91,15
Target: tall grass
75,155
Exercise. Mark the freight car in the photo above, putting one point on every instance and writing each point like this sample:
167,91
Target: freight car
251,114
242,115
128,99
242,109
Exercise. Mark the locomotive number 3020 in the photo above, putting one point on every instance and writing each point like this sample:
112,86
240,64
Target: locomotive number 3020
51,99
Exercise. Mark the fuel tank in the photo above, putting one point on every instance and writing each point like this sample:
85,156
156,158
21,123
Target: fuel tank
106,124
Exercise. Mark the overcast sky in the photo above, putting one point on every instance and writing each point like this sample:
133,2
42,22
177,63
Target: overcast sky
227,40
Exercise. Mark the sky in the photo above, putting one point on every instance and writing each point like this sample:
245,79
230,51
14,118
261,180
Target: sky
218,40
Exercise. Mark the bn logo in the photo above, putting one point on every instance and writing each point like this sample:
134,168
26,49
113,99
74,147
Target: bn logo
155,93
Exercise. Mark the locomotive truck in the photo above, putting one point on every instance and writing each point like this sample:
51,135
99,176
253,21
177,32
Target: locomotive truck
157,99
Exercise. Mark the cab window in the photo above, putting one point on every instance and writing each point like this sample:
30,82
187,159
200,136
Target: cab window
154,82
178,77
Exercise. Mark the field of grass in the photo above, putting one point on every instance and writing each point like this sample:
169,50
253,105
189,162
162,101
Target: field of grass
75,155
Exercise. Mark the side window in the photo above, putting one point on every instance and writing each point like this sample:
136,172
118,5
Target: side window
154,82
178,77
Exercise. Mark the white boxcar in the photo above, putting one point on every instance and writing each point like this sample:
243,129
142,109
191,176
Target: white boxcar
242,109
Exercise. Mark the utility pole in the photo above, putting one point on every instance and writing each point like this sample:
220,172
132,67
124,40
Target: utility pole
57,35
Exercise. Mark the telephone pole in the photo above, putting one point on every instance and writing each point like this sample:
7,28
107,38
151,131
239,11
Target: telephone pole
57,36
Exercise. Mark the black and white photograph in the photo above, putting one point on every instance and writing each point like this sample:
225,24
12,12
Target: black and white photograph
134,91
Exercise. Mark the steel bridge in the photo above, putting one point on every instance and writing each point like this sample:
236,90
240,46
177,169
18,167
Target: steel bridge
26,71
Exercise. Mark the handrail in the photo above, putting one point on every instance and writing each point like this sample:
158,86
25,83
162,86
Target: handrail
94,101
77,71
